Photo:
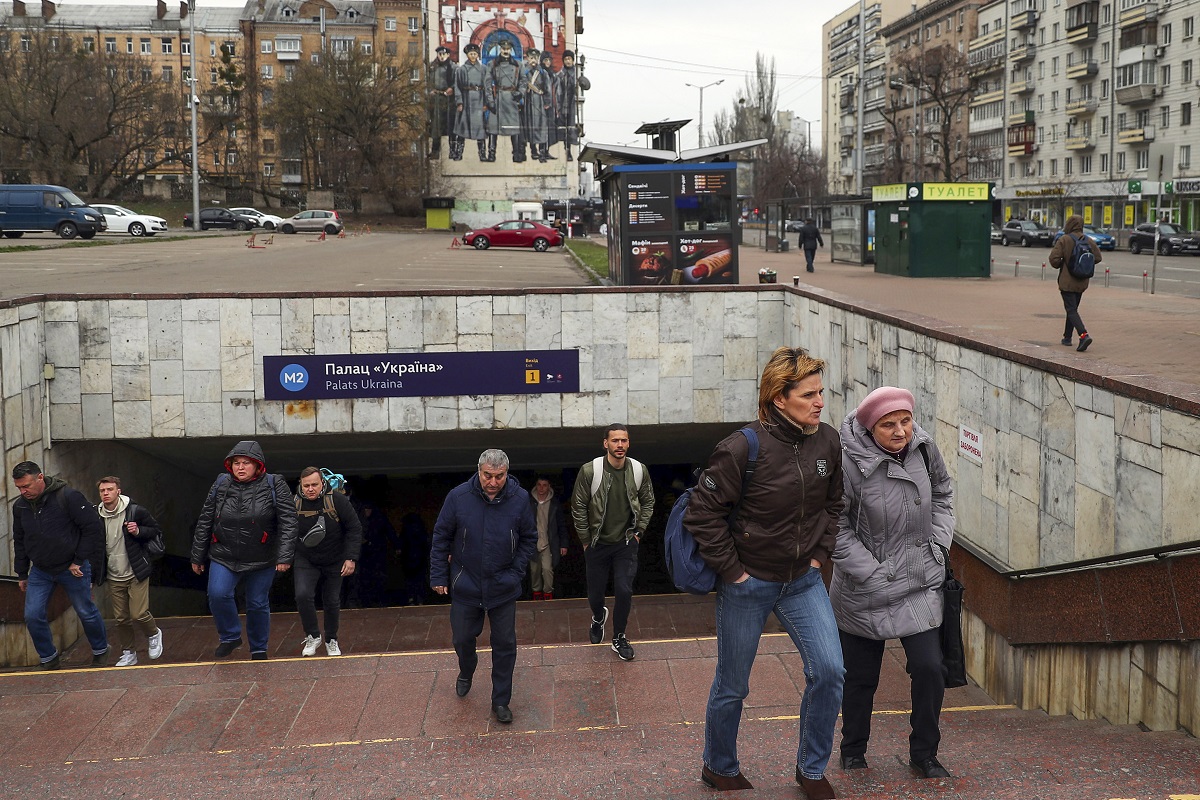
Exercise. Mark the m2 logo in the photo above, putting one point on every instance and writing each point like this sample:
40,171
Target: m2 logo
822,468
293,377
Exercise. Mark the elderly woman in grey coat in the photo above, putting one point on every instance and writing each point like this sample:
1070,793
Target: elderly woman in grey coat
893,538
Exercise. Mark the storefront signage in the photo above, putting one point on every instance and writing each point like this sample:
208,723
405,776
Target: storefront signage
420,374
1049,191
889,193
649,203
1187,186
955,191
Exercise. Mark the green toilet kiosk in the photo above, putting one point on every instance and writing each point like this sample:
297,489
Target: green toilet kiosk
933,230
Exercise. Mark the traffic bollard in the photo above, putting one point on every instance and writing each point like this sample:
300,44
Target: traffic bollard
1017,268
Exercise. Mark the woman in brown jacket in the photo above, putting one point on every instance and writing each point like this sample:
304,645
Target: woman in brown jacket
1070,287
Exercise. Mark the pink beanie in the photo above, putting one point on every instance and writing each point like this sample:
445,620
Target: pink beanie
880,403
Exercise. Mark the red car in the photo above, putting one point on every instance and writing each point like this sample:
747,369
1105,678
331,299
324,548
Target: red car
515,233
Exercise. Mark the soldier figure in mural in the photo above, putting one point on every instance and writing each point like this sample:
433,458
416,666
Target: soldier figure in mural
552,104
566,92
470,100
537,119
441,105
505,102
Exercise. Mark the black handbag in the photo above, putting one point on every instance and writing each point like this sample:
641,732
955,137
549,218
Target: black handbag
155,548
953,655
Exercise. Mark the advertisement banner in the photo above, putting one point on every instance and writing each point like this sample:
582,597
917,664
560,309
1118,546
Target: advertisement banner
705,259
420,374
1108,216
1129,215
649,203
652,260
1087,215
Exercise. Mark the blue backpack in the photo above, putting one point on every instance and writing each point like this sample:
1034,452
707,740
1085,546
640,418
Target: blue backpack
689,571
1083,261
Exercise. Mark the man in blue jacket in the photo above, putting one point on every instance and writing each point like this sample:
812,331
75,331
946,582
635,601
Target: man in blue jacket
482,543
58,539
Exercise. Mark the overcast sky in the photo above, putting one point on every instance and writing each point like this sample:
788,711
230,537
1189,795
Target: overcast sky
640,54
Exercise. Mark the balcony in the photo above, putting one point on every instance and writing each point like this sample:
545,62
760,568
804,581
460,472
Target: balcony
1137,14
985,125
1022,52
1137,95
1021,149
1087,32
1083,69
1021,118
874,155
1136,135
984,99
985,59
1086,142
287,55
995,37
1022,20
1083,107
1024,86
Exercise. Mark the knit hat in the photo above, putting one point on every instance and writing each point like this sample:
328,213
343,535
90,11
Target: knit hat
880,403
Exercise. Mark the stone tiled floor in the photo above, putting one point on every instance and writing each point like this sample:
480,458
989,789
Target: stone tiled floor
384,722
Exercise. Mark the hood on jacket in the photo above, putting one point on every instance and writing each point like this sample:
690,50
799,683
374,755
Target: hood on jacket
1074,224
860,446
248,449
53,483
122,504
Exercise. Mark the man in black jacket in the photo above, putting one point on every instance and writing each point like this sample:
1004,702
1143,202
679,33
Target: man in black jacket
331,555
810,237
127,528
58,539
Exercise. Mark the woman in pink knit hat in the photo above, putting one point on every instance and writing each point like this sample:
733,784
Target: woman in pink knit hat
893,540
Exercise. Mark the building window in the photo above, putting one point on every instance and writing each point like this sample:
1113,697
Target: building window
1104,162
414,74
145,45
212,49
53,44
414,25
390,48
1054,66
287,45
147,75
1165,33
168,75
367,48
168,46
268,96
315,58
230,157
1104,89
268,170
1185,114
1164,116
268,146
129,45
289,71
291,168
1189,27
1185,156
1166,75
268,71
1012,170
393,73
216,159
266,46
389,23
229,48
1106,13
1187,72
1143,159
89,44
110,44
1121,161
185,46
1085,165
1040,168
1053,167
147,157
1054,100
185,73
212,76
414,49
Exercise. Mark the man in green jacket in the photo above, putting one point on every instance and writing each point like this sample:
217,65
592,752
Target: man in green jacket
610,507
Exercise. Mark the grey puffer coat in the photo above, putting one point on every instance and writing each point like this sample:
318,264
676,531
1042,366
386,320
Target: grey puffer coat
887,567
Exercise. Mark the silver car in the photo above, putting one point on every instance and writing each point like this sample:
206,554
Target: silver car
311,220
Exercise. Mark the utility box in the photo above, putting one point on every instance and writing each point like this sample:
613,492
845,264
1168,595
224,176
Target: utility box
439,213
933,230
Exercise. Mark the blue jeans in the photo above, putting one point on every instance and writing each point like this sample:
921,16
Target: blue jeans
803,609
79,590
222,583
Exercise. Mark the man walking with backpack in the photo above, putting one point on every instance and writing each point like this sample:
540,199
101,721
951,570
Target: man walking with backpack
129,529
611,507
328,541
1070,256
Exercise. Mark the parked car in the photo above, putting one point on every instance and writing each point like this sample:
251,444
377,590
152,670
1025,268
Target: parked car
1171,240
122,220
221,218
514,233
793,225
1103,239
1026,233
267,221
997,234
35,208
313,220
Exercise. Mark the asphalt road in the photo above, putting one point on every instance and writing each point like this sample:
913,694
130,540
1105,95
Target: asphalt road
1171,274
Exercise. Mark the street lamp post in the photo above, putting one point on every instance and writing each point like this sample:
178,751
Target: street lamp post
193,99
700,129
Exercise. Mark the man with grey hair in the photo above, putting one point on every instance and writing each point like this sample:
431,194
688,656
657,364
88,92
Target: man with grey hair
483,540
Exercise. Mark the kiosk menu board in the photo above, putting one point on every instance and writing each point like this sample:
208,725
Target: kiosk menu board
674,224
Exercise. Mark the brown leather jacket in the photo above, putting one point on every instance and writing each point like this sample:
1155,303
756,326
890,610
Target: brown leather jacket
790,512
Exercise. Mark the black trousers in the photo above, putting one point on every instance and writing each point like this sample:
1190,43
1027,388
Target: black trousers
863,659
466,623
306,574
620,561
1074,321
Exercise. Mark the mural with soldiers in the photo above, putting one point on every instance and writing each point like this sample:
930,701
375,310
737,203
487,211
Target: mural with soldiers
504,76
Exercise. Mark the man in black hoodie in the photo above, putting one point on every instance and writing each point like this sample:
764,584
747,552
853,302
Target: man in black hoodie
58,539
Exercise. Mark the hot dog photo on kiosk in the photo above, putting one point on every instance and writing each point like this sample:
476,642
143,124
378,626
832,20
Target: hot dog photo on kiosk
704,259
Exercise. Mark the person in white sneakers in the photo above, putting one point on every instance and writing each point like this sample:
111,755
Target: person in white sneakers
129,529
327,548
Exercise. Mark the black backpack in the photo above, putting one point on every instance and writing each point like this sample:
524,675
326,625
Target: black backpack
1082,263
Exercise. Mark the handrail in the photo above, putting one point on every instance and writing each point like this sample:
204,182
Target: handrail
1098,562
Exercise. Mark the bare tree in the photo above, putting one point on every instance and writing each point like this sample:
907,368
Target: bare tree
939,75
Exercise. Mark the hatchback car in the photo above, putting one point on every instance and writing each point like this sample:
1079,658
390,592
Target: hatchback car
221,218
1103,239
997,236
122,220
313,220
514,233
1026,233
1171,240
267,221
